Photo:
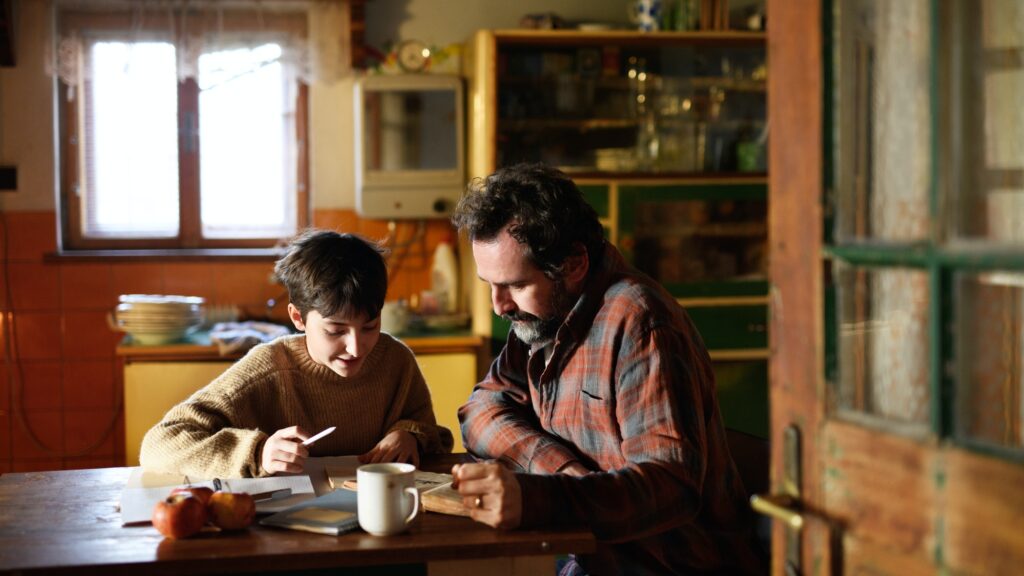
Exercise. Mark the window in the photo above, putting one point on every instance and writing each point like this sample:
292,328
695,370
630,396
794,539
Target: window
182,129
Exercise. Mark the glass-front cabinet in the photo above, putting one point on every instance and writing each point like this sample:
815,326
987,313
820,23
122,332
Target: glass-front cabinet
669,104
666,134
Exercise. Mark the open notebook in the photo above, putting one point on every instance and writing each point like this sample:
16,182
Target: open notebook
145,488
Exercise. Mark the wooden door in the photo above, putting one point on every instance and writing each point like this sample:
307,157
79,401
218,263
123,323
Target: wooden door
897,267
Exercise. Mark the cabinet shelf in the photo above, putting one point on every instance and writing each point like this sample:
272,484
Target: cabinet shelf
622,83
627,37
582,125
674,177
731,230
591,124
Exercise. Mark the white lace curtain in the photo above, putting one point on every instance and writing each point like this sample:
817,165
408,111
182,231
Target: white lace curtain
314,35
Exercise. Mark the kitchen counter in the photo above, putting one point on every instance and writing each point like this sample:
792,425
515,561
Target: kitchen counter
197,347
155,378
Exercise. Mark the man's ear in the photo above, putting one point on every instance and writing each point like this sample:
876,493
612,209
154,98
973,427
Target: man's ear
296,317
577,264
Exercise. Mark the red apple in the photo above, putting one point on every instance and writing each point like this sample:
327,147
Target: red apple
232,510
201,492
179,515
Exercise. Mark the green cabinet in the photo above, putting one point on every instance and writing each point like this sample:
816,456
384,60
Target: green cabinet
706,241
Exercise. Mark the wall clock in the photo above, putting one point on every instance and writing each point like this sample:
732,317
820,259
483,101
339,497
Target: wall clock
413,55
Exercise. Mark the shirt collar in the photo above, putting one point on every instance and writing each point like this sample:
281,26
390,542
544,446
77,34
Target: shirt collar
607,270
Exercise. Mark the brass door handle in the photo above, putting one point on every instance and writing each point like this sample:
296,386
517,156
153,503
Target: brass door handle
780,507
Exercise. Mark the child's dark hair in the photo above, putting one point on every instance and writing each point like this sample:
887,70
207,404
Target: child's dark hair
334,273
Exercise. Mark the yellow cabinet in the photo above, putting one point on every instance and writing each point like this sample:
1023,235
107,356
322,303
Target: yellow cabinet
451,378
153,388
158,377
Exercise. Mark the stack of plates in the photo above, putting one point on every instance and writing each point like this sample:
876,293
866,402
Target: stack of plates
157,319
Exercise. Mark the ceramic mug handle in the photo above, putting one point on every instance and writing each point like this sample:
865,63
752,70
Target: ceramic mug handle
412,491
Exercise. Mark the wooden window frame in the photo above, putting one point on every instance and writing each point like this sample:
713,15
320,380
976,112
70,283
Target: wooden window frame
69,114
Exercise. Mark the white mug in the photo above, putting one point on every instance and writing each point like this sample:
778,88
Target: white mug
387,496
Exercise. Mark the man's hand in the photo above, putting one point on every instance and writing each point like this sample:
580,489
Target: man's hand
283,451
397,446
491,492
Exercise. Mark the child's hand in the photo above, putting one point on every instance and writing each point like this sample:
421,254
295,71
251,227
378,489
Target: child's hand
397,446
284,452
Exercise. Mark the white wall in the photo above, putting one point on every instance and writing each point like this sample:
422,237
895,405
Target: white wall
441,22
27,98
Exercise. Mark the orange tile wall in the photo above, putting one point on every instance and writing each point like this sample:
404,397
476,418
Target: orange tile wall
60,397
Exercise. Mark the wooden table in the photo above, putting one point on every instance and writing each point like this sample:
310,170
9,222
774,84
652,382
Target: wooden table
68,522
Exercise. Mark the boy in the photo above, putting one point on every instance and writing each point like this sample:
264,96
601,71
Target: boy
343,371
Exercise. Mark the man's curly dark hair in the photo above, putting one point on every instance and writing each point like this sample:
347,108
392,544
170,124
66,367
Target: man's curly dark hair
543,208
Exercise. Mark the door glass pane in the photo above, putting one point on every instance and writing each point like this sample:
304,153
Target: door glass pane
883,120
883,344
990,379
130,155
992,197
246,152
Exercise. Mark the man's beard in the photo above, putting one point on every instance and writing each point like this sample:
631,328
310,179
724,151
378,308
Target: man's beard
537,331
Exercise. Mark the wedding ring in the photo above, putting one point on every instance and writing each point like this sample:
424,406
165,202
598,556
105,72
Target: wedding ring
479,502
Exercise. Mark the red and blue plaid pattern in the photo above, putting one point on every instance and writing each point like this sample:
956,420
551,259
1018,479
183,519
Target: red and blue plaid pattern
629,393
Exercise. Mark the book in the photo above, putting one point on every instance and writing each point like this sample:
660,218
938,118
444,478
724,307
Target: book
333,513
344,477
445,500
436,492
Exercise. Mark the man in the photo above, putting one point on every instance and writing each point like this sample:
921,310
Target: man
601,410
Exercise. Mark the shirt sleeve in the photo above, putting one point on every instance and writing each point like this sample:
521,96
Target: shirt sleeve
498,421
661,389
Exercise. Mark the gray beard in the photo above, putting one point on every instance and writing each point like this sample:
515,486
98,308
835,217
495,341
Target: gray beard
536,331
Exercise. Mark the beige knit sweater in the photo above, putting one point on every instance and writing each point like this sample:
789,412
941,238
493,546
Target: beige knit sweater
220,430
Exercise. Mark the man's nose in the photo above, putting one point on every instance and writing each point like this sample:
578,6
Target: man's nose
501,302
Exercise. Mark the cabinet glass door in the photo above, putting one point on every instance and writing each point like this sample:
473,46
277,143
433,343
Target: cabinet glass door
598,106
698,240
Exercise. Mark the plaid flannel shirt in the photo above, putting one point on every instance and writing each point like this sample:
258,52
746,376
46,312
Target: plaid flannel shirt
629,393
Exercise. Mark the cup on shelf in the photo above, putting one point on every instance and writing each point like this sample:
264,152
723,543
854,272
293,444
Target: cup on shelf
645,14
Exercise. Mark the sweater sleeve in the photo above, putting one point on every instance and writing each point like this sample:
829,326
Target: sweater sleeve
417,415
207,436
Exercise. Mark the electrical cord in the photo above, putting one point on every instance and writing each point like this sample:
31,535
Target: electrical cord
399,250
16,377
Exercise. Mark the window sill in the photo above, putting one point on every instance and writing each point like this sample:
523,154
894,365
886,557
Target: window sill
166,255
